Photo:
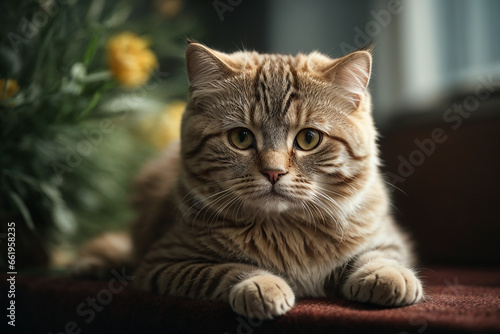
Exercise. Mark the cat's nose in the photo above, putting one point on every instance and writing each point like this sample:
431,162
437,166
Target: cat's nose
274,175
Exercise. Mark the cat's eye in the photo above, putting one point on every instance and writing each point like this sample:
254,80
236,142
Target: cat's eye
241,138
308,139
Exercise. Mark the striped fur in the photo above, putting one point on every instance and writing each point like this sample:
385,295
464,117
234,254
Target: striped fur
212,226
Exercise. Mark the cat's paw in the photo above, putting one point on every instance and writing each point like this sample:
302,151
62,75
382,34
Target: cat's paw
100,255
261,297
385,285
90,267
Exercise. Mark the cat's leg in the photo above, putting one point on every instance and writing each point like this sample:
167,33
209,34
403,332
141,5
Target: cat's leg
100,255
250,291
378,277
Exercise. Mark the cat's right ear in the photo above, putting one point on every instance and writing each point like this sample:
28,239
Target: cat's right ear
351,72
205,65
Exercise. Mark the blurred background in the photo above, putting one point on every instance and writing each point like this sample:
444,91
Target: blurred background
78,119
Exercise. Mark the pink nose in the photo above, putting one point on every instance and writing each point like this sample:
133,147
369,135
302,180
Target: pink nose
274,175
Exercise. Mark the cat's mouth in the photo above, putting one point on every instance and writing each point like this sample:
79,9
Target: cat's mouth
276,195
272,199
275,201
271,194
274,192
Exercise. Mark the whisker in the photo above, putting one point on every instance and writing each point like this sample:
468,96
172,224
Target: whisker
354,189
222,194
227,193
396,187
221,208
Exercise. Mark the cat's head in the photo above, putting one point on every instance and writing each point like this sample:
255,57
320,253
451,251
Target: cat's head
277,132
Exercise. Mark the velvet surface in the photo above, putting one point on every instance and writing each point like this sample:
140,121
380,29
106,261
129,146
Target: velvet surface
459,300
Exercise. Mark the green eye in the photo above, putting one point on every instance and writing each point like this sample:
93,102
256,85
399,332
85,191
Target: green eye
308,139
241,138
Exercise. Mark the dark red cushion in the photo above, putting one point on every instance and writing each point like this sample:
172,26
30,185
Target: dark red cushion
458,300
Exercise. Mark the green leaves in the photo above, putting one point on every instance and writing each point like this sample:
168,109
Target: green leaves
23,209
62,216
91,50
93,103
65,93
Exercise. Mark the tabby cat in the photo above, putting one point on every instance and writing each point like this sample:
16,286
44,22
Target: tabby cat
273,193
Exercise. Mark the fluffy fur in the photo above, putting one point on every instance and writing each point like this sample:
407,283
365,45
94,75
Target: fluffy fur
259,227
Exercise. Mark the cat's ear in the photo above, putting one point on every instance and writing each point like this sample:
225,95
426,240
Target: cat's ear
205,65
351,72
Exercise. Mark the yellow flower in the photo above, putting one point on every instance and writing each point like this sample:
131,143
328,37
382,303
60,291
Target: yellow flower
168,8
12,88
130,59
166,126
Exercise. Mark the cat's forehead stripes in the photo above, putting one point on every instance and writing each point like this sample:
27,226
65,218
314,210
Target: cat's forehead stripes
275,86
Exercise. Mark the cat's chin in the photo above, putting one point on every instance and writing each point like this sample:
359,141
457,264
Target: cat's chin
274,203
277,207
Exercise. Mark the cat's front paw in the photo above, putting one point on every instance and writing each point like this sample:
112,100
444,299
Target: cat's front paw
385,285
262,297
89,267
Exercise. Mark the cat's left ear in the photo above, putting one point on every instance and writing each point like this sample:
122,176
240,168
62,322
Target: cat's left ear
351,73
204,65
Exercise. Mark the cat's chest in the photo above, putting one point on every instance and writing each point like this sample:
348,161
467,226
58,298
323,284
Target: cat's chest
305,254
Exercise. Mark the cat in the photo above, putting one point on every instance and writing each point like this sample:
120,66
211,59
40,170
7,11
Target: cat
273,193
